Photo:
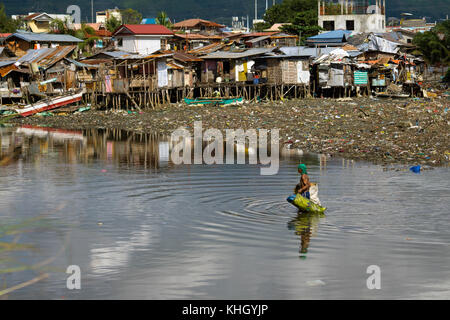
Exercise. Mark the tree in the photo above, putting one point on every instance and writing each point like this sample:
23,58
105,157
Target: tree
300,14
304,24
287,10
61,27
112,24
435,44
7,24
131,16
163,19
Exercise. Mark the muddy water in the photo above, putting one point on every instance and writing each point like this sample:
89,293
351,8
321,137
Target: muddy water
140,227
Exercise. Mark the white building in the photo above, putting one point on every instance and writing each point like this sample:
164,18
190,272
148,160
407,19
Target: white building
352,15
103,16
142,38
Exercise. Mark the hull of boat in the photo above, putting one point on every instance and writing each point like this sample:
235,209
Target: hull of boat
51,104
219,101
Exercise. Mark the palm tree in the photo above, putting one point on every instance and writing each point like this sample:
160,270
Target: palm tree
163,19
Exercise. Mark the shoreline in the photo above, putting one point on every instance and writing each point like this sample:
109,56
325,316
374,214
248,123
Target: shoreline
379,131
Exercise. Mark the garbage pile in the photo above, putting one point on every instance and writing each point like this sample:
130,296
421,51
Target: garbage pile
413,131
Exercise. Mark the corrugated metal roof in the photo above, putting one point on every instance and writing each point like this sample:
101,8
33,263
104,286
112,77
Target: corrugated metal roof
46,57
122,55
81,65
207,49
336,34
185,57
238,55
44,37
305,51
254,40
191,23
4,63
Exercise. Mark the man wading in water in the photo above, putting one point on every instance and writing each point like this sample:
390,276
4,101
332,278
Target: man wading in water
304,185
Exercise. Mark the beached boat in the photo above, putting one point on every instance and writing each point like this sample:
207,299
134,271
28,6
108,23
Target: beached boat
49,104
392,96
214,101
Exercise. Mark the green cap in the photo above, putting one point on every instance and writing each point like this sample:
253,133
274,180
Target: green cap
303,168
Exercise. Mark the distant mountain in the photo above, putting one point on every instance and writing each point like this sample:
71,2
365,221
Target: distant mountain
218,10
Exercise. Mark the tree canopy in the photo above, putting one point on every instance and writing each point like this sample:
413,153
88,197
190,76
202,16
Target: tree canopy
112,24
300,14
163,19
131,16
7,24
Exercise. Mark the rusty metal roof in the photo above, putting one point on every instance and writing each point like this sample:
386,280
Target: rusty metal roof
207,49
46,57
192,23
185,57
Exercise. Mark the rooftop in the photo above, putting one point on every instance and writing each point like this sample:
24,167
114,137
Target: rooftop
44,37
192,23
143,29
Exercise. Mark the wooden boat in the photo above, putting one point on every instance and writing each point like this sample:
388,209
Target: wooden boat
50,104
214,101
392,96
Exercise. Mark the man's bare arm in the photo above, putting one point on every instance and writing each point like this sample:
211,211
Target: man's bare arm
306,184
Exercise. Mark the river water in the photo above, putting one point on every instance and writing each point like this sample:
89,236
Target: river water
140,227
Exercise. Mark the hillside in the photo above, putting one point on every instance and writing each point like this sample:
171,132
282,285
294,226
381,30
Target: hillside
218,10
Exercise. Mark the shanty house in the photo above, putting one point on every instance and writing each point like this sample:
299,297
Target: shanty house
142,39
272,39
20,42
230,66
41,22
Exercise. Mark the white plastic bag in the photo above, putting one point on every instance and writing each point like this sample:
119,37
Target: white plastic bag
314,193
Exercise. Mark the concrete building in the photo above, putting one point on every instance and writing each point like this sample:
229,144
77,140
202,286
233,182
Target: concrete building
352,15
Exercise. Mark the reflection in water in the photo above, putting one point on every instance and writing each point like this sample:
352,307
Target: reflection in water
306,226
83,146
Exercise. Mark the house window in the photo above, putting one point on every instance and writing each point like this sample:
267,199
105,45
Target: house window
328,25
350,25
120,42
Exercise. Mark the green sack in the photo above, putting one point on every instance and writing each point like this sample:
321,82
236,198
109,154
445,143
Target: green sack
306,205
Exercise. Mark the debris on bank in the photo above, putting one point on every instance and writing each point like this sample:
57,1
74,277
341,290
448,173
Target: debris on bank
411,131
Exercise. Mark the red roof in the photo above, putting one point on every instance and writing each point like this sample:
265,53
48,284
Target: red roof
143,29
5,35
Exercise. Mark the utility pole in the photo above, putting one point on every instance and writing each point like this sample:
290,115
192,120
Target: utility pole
256,9
92,11
267,4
